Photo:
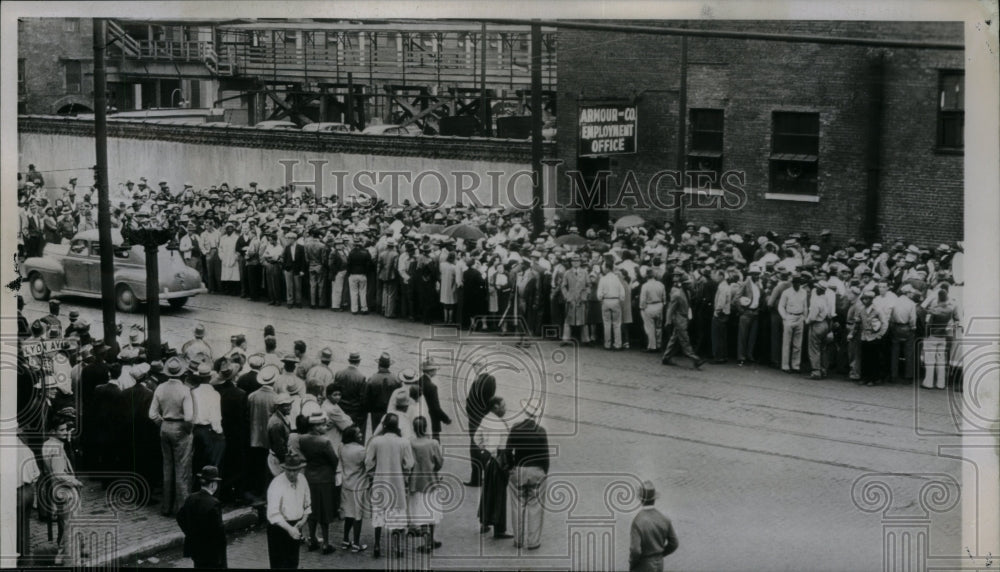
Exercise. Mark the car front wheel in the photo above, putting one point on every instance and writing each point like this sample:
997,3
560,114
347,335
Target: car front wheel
39,291
177,302
125,299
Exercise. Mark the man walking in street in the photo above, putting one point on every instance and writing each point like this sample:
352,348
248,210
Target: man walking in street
678,314
528,447
429,391
171,409
652,535
200,520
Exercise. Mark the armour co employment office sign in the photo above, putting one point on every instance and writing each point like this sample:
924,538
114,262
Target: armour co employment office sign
607,129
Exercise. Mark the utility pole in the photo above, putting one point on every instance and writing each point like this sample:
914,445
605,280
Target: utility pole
537,218
681,137
484,112
101,182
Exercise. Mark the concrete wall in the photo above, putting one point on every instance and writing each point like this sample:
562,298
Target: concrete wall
61,156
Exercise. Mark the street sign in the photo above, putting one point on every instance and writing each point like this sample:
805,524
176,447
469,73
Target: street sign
608,129
35,349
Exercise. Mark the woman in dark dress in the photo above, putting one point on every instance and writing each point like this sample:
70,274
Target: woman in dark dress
321,474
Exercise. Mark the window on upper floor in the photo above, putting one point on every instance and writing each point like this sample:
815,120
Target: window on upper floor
951,110
794,153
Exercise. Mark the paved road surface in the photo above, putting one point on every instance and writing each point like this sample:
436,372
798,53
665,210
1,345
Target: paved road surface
757,468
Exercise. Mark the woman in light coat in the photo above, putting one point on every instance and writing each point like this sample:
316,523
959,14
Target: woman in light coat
388,461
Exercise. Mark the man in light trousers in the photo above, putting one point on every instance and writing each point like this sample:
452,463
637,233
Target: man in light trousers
611,293
792,307
652,298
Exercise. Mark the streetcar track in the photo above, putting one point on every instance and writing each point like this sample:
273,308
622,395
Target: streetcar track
354,328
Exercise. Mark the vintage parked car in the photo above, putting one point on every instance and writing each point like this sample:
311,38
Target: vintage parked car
328,127
75,269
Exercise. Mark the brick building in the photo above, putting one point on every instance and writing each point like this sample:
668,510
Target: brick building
55,65
825,134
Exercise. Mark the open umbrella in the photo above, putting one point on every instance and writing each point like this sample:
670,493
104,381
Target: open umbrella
431,228
571,240
629,221
463,231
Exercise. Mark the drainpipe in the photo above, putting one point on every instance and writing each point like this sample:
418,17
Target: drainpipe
873,155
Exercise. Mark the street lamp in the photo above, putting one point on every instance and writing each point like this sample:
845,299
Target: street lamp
151,233
180,102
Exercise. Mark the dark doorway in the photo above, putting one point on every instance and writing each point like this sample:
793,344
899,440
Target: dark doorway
597,214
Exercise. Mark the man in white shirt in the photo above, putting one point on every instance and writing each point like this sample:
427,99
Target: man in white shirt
490,438
652,297
611,293
748,301
209,442
902,333
819,315
720,317
288,508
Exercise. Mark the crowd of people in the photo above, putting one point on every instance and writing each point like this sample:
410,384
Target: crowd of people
287,432
207,428
797,302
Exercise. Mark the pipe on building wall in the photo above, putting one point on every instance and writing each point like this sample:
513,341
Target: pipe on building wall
873,155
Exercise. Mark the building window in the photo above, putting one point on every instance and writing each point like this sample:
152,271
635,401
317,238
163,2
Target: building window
20,73
74,76
794,153
71,25
951,110
705,150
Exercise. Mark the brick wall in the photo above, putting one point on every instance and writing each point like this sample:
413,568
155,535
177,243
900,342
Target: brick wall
920,190
46,44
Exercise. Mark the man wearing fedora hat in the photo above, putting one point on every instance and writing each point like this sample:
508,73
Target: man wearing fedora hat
235,430
652,534
260,406
279,429
351,383
379,389
429,392
208,441
677,316
171,409
289,504
200,520
528,447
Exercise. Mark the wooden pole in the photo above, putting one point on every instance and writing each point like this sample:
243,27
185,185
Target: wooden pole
101,182
537,217
152,302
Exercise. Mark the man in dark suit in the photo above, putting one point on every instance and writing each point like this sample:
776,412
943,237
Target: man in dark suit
351,383
653,535
474,292
142,436
248,381
482,390
236,430
528,447
429,391
200,518
295,267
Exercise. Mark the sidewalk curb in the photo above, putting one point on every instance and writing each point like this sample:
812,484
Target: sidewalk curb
232,520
